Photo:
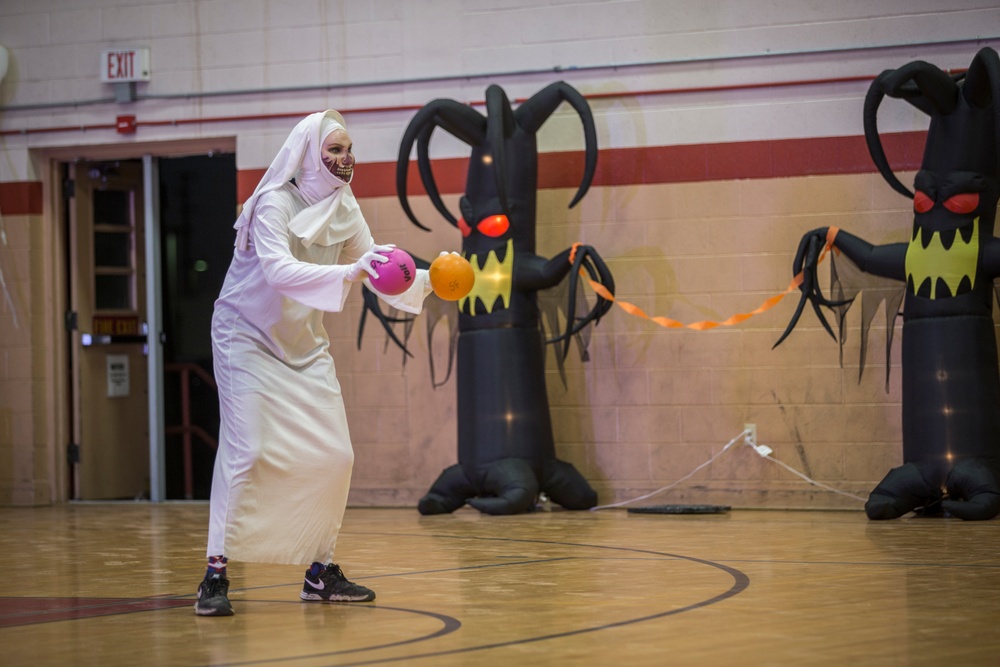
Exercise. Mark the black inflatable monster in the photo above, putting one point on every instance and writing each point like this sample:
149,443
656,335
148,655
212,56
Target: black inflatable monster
506,453
951,387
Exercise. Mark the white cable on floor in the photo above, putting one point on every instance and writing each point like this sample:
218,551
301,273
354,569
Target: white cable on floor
811,481
672,485
762,450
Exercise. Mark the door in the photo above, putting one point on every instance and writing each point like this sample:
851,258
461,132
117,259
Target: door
108,303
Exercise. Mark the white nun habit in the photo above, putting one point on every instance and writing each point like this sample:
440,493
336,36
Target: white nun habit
283,467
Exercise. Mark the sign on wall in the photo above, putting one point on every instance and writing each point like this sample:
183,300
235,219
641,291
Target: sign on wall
118,384
115,325
125,65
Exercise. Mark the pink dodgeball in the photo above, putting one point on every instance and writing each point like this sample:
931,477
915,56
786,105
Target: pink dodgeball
396,275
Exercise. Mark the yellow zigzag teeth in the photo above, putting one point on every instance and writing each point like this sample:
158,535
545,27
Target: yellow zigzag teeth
934,261
493,280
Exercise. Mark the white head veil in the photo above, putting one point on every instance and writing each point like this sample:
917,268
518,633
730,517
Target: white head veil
333,214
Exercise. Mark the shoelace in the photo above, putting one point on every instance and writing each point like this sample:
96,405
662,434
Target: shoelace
332,573
213,585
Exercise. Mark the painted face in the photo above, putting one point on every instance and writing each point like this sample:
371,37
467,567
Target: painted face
337,154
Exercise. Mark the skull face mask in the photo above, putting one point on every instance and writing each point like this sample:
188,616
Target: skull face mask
338,156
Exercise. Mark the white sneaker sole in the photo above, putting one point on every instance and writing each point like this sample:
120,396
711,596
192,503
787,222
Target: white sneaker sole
316,597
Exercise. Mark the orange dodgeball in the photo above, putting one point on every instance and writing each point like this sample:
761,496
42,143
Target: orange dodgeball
451,276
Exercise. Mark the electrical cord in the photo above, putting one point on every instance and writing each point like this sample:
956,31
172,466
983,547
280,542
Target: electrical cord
673,484
762,450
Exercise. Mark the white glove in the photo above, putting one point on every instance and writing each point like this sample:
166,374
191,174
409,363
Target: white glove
363,266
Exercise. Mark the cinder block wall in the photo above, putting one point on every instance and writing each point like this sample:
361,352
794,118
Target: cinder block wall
726,79
654,403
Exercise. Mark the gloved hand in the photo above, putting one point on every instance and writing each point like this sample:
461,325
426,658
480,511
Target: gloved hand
363,266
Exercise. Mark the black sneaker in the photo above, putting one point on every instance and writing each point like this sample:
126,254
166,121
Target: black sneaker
212,600
330,585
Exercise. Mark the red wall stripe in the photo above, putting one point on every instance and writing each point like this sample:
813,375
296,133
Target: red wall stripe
782,158
21,198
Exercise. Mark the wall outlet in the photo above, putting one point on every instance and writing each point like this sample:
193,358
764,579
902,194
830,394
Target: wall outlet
750,434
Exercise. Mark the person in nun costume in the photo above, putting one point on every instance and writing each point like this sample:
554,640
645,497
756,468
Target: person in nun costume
283,467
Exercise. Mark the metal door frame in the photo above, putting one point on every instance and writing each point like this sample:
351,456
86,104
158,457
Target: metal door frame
148,152
154,330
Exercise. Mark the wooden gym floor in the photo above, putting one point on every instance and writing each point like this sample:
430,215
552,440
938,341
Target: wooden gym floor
113,584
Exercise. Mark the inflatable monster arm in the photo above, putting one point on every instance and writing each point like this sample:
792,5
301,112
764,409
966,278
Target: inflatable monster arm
371,303
884,261
537,273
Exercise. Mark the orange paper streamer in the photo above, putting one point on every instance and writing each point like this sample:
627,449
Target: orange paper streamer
703,325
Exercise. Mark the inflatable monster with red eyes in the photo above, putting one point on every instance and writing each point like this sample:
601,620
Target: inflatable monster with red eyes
951,384
506,451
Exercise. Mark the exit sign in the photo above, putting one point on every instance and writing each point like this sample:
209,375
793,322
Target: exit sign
124,65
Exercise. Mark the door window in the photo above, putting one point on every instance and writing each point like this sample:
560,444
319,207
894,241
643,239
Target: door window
114,251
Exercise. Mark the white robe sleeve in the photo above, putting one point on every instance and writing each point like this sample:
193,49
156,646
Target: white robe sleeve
324,287
410,301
